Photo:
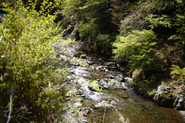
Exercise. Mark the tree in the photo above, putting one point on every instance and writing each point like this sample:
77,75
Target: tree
92,18
30,69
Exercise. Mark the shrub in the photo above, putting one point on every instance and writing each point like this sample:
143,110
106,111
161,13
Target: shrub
103,42
92,18
30,71
137,48
87,29
176,72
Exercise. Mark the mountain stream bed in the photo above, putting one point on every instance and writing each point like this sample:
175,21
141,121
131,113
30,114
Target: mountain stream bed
101,94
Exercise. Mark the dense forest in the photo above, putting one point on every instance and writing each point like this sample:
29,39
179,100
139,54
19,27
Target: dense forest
147,36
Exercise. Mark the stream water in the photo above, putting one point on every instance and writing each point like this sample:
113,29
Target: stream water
116,102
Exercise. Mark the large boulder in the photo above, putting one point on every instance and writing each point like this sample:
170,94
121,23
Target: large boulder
163,96
169,96
136,75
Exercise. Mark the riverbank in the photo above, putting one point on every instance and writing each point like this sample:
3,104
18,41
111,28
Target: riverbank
167,93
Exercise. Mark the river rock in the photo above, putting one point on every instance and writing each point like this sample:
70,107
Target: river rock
103,83
111,65
136,74
180,105
71,92
123,94
84,121
90,58
79,92
76,64
83,96
176,102
120,78
163,96
101,106
117,85
100,59
62,57
90,62
94,87
128,80
106,70
78,54
102,68
77,105
182,113
111,76
87,111
113,102
85,76
68,118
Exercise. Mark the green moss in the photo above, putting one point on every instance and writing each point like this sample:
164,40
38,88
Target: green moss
152,93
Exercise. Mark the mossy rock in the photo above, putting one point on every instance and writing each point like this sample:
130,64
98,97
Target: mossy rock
137,75
152,93
123,94
101,105
83,56
165,99
77,54
110,64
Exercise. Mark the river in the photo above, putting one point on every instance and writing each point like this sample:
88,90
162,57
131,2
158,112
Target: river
101,94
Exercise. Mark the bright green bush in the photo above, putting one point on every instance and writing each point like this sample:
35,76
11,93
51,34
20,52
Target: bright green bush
177,72
87,29
30,63
138,49
162,20
104,42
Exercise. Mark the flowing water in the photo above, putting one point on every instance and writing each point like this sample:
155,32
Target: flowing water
135,109
117,102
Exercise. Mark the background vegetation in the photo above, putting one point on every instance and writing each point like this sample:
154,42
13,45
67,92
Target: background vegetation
151,32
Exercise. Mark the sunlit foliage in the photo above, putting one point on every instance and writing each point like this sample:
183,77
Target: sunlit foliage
138,49
29,64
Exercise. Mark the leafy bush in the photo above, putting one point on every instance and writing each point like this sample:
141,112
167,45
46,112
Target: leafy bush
141,12
177,73
137,48
92,18
87,29
172,17
163,20
29,66
180,19
104,41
